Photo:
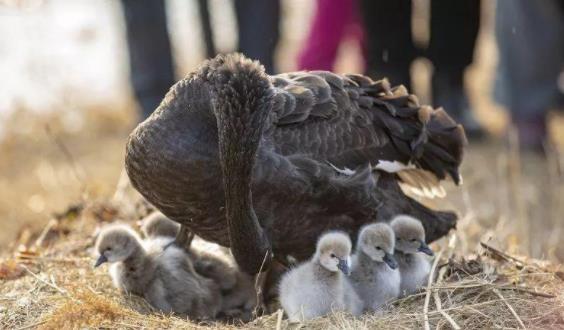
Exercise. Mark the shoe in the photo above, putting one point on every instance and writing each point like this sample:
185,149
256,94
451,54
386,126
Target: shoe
532,132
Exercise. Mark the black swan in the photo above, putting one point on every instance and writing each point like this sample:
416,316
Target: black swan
265,164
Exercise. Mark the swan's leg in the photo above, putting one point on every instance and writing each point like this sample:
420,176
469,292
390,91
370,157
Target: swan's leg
184,238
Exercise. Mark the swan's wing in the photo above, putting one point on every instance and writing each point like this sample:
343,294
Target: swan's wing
351,120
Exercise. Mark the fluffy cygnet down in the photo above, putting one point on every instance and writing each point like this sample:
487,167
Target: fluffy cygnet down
410,241
239,294
165,278
319,286
161,230
157,224
375,275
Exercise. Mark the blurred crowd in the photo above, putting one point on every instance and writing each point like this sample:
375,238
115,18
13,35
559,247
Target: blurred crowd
530,38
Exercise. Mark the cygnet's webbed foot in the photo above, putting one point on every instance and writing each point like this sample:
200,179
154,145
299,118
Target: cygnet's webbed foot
184,238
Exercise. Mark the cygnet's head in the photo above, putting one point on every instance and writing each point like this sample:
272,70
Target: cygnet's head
410,235
333,252
157,224
116,243
377,241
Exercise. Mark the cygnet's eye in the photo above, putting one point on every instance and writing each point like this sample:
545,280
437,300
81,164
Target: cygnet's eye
378,248
414,240
108,248
333,255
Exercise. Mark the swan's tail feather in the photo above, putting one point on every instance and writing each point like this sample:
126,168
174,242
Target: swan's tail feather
425,137
437,223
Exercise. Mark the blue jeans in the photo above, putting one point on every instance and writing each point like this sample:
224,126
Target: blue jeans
530,38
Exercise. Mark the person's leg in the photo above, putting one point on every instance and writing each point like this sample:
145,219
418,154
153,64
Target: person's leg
530,37
207,31
328,28
389,42
150,59
454,29
258,22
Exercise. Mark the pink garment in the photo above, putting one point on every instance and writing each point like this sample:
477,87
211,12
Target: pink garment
334,20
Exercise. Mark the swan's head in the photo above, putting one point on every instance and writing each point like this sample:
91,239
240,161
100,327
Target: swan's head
157,224
116,243
377,241
333,252
410,235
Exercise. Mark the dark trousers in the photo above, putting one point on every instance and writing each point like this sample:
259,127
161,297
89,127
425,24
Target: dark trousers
258,22
390,48
150,58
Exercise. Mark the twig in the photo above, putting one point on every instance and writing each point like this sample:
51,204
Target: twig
520,264
526,290
502,254
443,313
39,241
259,283
68,155
437,298
279,319
496,291
45,282
131,326
33,325
428,290
493,301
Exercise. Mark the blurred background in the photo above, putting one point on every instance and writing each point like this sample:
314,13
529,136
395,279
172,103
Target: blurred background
77,76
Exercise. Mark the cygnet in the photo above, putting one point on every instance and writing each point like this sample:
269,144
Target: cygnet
165,278
410,241
318,286
375,275
239,294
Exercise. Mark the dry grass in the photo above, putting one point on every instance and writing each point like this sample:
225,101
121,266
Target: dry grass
59,289
509,200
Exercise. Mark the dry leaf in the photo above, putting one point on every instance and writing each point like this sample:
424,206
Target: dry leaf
26,255
10,270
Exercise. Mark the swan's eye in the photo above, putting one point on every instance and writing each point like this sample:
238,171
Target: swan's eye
333,255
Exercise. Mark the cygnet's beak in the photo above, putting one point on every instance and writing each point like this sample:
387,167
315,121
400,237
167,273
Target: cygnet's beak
390,260
343,265
425,249
102,259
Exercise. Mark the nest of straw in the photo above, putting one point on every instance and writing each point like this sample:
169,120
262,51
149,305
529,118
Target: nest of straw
48,282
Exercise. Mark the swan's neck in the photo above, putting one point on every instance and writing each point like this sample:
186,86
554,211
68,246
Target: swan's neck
241,103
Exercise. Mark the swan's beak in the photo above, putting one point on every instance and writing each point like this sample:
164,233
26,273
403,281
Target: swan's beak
102,259
343,265
425,249
390,261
